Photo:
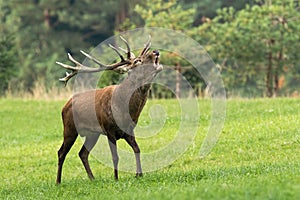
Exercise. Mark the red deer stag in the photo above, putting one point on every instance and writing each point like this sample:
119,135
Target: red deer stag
117,107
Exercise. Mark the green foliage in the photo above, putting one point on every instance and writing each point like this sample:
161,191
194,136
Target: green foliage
204,8
109,78
170,15
260,39
256,157
166,14
255,46
238,37
8,62
46,30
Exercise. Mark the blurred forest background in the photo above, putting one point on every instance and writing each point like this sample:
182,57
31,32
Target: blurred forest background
255,43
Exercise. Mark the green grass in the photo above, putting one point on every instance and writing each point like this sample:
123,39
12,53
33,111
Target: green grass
257,155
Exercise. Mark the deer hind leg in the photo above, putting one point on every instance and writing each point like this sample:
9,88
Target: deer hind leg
68,142
113,148
130,139
88,145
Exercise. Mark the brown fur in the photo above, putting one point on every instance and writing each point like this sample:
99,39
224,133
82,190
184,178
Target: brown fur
112,111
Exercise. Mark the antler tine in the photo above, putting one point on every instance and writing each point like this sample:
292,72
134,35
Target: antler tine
69,66
103,66
74,69
81,68
128,47
120,67
124,50
93,59
67,77
116,50
147,46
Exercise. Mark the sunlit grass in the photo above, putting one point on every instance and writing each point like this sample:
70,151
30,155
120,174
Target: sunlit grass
257,155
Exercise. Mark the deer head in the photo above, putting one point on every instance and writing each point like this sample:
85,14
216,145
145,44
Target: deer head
127,65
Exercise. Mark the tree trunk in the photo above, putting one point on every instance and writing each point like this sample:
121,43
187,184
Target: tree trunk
269,78
47,18
276,82
279,61
121,14
276,74
178,80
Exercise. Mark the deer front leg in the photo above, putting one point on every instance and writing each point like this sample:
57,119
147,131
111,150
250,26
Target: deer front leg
130,139
88,145
113,148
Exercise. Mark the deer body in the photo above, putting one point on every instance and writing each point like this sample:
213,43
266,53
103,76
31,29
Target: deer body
112,111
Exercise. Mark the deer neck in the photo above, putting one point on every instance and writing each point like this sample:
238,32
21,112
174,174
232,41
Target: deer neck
128,97
138,101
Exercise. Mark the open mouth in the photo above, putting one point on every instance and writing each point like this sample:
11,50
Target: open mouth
156,54
158,66
157,60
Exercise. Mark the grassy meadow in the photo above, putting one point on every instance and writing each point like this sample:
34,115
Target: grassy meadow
257,155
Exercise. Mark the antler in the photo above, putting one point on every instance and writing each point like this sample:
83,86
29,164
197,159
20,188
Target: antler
147,46
119,67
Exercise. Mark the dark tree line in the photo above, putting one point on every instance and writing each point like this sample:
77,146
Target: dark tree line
36,33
